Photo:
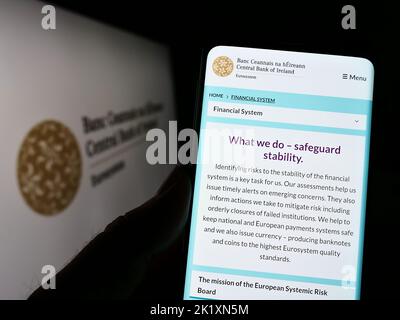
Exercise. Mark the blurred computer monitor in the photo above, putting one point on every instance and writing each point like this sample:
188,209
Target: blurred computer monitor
75,105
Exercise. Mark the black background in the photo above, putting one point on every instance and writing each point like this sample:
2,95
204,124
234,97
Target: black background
187,27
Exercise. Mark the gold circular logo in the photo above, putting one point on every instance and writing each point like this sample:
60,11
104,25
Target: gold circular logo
49,167
222,66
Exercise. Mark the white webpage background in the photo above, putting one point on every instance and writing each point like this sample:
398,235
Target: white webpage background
349,163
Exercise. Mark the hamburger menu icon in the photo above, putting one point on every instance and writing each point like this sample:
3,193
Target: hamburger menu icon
222,66
49,167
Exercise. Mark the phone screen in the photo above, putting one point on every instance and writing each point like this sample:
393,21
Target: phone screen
281,178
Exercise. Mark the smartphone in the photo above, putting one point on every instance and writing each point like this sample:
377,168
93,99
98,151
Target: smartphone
281,176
